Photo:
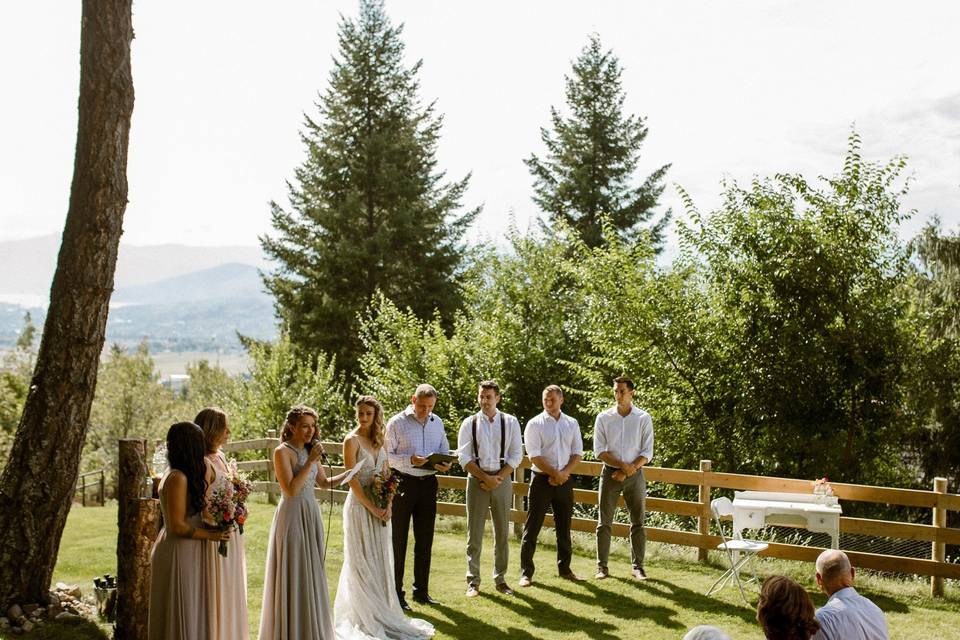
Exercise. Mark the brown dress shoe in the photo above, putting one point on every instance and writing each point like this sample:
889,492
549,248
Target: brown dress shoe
571,576
504,589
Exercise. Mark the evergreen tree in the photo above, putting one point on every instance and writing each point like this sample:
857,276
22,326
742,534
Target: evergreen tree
592,155
369,209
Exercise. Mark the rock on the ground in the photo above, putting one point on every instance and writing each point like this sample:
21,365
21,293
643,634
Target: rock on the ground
68,618
27,626
29,608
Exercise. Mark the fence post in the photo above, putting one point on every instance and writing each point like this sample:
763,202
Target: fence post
271,474
103,487
938,550
83,491
517,476
705,514
139,523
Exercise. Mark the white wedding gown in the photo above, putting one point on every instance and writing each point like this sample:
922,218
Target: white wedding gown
366,605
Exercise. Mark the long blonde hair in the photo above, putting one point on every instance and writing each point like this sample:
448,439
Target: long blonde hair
213,421
376,429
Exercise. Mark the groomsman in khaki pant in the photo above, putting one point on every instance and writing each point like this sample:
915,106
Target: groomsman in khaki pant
489,449
623,440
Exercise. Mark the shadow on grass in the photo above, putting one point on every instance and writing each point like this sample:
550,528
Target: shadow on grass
620,606
544,615
693,600
886,603
460,625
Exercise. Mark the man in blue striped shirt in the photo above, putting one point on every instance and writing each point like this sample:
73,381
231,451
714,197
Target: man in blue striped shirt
412,435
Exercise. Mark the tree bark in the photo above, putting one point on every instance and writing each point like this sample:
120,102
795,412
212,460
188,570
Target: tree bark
37,485
138,520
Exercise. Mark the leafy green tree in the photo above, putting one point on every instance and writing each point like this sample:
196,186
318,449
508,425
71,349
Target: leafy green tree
592,156
520,324
15,372
130,402
801,284
934,292
369,208
280,377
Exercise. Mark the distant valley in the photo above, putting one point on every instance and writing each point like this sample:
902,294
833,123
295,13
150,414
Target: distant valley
178,298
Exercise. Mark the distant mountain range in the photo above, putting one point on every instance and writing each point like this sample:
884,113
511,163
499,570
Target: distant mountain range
28,265
178,298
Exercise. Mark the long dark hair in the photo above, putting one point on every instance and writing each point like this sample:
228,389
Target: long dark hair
185,452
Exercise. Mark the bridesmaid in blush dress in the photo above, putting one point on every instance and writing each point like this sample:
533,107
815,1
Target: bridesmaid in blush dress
230,573
296,601
182,598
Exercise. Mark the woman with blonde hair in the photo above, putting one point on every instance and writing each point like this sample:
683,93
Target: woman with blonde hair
367,605
296,600
230,573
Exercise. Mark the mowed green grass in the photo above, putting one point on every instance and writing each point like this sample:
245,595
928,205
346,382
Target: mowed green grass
665,606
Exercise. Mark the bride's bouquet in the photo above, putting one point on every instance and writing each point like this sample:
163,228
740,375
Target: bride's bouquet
384,488
227,506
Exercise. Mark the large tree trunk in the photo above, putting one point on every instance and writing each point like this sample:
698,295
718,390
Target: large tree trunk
37,485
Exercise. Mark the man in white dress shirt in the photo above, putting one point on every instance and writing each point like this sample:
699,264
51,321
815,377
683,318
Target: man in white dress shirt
412,435
555,446
847,614
623,440
489,450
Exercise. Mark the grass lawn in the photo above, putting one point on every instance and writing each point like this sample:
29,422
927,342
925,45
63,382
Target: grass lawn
664,606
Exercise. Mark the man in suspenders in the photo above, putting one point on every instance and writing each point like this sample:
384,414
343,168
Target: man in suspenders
489,449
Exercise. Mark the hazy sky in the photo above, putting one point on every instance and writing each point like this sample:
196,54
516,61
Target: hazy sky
729,89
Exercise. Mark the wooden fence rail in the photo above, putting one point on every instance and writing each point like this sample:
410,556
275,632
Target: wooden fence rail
95,479
706,480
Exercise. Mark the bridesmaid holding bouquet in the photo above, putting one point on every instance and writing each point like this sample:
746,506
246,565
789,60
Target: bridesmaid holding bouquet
182,594
230,572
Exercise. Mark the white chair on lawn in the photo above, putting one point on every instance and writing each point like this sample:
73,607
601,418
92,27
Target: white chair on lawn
739,552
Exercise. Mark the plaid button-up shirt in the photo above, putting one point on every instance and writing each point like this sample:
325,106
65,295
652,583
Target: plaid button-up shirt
406,436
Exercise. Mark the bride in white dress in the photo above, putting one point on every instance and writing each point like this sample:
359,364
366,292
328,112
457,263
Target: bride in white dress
366,605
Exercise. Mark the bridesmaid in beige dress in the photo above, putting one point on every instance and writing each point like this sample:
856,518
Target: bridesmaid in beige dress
296,601
230,573
182,598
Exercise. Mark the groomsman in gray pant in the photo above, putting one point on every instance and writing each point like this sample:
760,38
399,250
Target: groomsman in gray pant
623,440
489,449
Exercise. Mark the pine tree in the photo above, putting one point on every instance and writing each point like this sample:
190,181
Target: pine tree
369,209
592,155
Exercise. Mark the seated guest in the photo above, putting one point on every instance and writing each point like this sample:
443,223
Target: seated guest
706,632
785,611
847,614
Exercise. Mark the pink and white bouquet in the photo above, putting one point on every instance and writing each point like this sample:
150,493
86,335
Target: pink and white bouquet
227,506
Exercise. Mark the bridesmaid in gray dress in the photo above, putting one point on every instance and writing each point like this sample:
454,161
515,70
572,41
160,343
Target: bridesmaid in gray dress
182,595
296,601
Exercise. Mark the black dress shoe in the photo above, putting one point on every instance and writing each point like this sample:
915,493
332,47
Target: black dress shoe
424,599
405,605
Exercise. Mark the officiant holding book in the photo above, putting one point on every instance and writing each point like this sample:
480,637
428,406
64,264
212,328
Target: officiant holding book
489,450
413,435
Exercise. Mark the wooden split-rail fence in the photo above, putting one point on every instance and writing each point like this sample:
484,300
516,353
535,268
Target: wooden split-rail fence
938,501
139,518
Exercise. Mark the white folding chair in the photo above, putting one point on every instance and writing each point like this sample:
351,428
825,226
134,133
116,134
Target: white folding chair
738,551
